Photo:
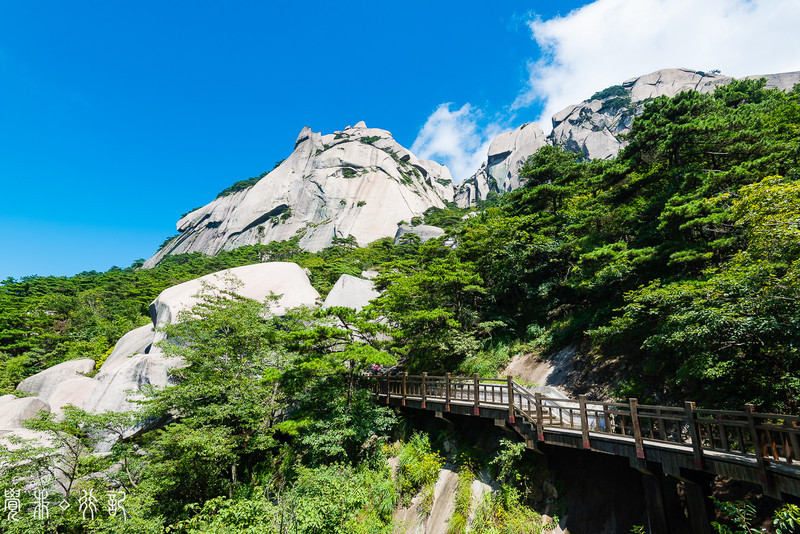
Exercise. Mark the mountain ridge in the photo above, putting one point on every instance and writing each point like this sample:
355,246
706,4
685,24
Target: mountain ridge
355,182
592,127
360,182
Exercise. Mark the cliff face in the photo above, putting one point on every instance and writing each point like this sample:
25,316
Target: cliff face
357,182
500,171
594,126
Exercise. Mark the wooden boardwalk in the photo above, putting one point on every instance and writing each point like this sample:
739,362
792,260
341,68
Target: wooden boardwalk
746,445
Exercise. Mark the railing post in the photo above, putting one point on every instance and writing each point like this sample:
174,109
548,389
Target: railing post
697,447
510,400
791,441
424,388
760,462
476,392
405,377
539,417
637,428
584,421
447,392
388,388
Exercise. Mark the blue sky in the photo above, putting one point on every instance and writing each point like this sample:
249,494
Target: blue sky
115,117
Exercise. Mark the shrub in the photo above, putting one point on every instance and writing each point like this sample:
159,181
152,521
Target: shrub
418,464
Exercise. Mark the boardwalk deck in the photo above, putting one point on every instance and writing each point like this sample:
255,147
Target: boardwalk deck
746,445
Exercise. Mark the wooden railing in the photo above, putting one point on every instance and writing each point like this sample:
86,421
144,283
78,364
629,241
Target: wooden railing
767,437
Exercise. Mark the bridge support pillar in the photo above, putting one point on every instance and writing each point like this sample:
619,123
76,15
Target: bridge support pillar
696,504
654,500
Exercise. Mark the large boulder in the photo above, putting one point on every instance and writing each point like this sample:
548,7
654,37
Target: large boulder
73,391
357,182
135,363
351,292
137,341
14,411
45,383
117,386
423,231
257,282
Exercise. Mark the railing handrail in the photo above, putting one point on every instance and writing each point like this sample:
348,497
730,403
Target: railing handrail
767,437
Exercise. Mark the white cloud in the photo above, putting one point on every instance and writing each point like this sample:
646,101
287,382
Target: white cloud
455,139
609,41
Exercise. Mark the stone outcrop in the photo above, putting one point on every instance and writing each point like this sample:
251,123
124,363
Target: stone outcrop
13,410
592,127
423,231
357,182
351,292
257,282
135,362
46,383
500,172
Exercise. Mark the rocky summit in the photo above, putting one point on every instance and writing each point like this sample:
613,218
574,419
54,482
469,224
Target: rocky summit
592,127
360,182
357,182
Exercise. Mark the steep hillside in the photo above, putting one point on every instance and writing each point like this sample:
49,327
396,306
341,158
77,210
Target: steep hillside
357,182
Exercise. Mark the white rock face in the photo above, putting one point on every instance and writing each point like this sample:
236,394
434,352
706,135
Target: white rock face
14,411
500,173
114,388
258,282
137,341
423,231
135,362
350,292
357,182
44,384
592,127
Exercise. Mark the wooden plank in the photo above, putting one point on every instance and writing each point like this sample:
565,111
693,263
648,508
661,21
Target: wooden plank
584,422
539,417
791,445
476,393
695,502
654,502
757,446
424,388
662,431
694,434
447,392
405,379
637,430
510,400
723,434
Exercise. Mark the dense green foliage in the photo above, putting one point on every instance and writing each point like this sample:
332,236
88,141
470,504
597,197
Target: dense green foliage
268,432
